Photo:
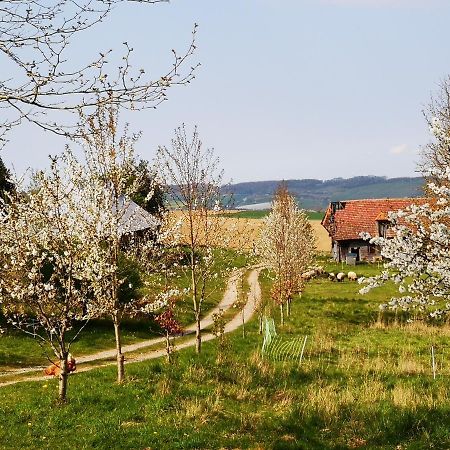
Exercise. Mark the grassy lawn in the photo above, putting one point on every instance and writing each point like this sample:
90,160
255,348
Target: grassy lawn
362,384
19,350
315,215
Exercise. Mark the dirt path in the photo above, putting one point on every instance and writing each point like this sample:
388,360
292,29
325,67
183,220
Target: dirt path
229,298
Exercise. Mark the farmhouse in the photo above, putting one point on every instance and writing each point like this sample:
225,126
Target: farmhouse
346,220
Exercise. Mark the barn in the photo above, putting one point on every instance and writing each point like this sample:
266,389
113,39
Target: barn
346,220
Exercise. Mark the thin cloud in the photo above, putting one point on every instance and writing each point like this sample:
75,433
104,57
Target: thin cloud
399,149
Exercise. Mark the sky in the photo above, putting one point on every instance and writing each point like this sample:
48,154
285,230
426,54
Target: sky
286,89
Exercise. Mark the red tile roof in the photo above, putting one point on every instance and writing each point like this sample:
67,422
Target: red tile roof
359,216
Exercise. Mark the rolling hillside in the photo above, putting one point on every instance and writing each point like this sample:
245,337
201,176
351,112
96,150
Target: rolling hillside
316,194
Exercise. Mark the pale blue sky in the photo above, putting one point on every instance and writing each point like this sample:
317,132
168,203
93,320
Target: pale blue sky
287,89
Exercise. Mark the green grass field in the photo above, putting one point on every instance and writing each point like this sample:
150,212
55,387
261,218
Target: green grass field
362,384
260,214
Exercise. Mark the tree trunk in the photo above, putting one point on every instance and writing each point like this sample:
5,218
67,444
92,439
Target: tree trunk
243,324
260,331
120,357
63,379
196,304
288,307
168,350
282,314
198,333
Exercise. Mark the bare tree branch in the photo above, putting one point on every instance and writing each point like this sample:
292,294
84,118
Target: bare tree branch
35,43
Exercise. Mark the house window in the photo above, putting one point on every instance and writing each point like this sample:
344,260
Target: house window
383,227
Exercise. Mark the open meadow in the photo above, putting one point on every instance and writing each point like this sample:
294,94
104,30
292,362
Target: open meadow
362,383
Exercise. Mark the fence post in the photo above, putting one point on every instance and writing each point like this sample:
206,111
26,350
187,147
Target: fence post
433,362
303,349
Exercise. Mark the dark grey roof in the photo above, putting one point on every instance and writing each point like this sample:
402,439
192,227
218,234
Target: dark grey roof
134,218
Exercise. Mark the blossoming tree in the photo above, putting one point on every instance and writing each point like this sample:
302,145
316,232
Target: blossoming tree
46,267
193,180
64,244
418,258
117,225
286,246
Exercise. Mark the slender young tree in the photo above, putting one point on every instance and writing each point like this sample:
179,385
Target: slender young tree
193,180
116,222
46,267
171,327
286,247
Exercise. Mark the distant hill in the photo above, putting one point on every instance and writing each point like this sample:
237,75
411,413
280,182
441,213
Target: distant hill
317,194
